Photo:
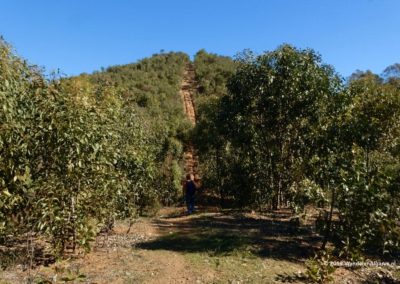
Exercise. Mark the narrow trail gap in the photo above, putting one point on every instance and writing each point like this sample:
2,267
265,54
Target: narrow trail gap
188,88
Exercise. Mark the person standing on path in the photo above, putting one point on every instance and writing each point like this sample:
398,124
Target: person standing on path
189,189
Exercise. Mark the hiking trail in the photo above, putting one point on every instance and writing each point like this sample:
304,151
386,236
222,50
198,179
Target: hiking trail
188,88
212,246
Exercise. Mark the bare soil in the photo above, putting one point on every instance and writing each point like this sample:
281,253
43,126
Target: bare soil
173,248
188,88
210,246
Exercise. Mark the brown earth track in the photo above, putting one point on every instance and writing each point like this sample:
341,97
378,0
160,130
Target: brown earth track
207,247
188,88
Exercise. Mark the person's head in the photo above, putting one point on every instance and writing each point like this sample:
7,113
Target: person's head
189,177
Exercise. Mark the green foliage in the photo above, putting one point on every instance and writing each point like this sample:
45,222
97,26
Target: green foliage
306,192
369,199
288,131
212,74
151,87
267,121
319,268
75,153
273,130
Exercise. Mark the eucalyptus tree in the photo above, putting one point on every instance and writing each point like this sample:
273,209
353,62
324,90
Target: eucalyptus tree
368,200
276,104
72,155
212,73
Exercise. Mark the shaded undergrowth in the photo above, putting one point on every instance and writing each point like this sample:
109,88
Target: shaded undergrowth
219,234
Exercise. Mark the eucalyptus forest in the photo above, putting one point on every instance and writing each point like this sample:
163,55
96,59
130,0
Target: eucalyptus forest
288,151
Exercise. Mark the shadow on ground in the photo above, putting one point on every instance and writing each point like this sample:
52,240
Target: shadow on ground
16,252
224,234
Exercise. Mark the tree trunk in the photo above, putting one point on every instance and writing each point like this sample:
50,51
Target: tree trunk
220,191
329,221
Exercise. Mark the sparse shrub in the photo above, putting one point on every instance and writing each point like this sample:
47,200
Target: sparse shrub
319,268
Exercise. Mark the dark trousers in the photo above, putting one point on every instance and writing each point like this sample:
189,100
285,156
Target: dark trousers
190,203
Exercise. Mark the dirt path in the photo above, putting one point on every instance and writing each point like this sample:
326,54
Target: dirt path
210,246
188,88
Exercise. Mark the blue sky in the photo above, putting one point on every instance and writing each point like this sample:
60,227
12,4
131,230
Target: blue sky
83,35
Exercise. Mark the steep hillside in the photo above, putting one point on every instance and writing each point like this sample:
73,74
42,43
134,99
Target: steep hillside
188,89
212,74
76,153
151,87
